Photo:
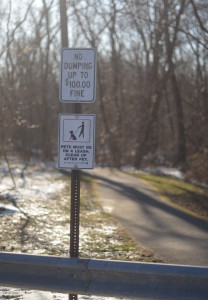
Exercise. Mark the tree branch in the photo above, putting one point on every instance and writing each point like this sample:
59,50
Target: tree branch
198,17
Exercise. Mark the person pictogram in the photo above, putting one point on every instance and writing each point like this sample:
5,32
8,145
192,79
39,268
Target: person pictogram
81,130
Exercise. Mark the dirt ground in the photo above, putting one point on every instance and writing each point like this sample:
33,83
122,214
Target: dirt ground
35,219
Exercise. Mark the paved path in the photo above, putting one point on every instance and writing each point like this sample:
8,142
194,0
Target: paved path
173,235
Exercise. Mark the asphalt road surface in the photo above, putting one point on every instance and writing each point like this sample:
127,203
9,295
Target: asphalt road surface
174,236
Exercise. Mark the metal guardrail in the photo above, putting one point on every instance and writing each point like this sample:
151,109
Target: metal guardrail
104,278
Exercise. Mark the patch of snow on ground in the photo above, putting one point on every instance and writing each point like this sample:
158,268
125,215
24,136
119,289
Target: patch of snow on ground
173,172
14,294
39,185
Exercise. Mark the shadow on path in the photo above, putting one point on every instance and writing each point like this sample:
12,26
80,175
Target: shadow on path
145,201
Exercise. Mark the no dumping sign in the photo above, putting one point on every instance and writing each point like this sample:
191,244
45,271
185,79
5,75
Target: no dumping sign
78,74
76,141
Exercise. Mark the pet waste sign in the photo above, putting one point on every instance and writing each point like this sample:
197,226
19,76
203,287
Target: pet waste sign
76,141
78,73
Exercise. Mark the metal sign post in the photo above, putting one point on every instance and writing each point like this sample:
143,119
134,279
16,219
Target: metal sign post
77,85
75,209
76,151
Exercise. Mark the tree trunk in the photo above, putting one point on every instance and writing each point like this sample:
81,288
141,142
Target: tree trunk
181,155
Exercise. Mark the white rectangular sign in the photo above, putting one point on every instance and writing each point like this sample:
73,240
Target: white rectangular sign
76,141
78,75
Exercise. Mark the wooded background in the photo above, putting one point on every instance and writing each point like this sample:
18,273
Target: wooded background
152,80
